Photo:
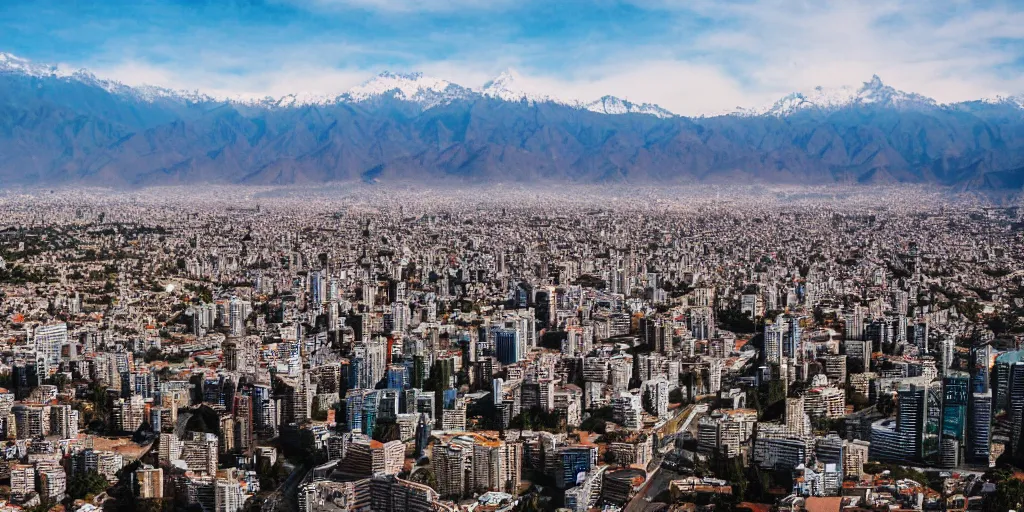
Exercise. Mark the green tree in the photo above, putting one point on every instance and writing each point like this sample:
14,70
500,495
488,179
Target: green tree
60,380
1009,495
424,475
84,484
100,400
732,470
385,430
154,505
675,396
530,503
596,421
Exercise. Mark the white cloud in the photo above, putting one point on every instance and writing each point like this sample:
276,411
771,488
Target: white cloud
681,87
277,82
936,48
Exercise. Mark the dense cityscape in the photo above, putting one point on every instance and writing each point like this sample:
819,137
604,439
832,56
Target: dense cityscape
505,349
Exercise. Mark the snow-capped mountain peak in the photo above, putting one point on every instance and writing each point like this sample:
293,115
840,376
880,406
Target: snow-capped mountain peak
826,99
13,63
615,105
1016,101
875,92
511,86
414,87
430,92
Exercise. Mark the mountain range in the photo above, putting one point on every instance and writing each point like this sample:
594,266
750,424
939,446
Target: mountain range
61,127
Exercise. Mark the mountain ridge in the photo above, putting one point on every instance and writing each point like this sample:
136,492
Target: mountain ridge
429,92
61,126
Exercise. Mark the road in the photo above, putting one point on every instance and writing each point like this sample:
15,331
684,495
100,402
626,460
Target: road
659,478
656,484
284,497
692,412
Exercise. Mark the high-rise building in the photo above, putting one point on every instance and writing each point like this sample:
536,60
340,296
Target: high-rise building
791,343
854,324
150,481
572,463
506,345
912,417
855,455
30,420
228,496
947,349
1000,385
774,334
63,421
23,481
129,414
1015,404
366,457
170,448
49,341
389,493
796,419
956,393
397,377
264,410
626,410
316,288
918,335
238,312
980,434
825,402
200,451
835,368
53,480
449,462
829,449
655,395
243,422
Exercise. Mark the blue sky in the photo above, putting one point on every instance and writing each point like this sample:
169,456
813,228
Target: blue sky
691,56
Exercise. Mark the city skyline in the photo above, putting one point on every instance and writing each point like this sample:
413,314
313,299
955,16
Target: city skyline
376,349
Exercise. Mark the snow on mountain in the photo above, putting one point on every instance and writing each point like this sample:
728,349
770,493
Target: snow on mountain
415,87
613,105
430,92
1014,101
13,64
511,86
872,92
148,93
145,93
300,99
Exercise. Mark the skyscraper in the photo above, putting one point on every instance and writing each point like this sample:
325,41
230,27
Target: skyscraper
49,340
774,334
910,419
238,312
796,419
316,288
1015,404
449,462
791,346
980,434
506,345
955,393
572,462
